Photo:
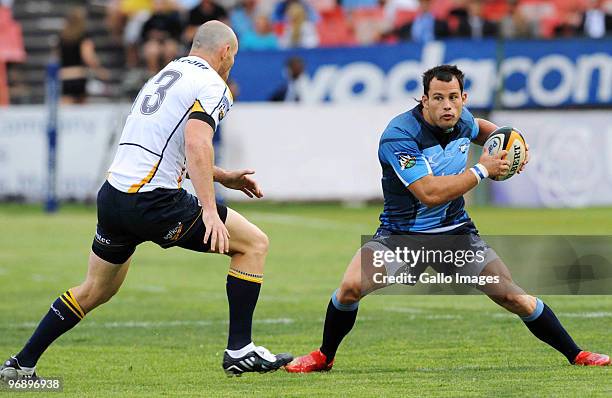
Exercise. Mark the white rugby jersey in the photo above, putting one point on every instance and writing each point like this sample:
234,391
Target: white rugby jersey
151,151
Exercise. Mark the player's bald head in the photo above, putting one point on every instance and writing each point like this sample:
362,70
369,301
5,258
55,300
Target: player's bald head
213,35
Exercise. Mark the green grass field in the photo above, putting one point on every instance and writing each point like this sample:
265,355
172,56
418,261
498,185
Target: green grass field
164,333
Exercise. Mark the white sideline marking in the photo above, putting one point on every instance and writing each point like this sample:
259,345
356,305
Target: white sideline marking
600,314
309,222
587,315
38,278
150,288
405,310
414,314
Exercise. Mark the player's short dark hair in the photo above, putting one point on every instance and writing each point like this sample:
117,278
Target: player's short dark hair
444,73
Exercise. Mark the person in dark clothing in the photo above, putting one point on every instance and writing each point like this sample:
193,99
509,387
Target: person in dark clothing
206,11
472,23
424,28
289,91
77,55
161,35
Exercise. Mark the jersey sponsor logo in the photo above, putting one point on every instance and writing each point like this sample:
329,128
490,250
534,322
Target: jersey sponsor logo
175,232
223,108
463,147
405,160
102,239
193,62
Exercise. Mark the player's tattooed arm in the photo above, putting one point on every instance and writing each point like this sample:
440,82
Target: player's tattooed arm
485,128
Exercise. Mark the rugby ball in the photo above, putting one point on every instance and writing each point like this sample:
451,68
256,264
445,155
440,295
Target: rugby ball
509,139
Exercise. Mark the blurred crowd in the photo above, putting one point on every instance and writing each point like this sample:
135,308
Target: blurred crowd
156,31
153,32
162,26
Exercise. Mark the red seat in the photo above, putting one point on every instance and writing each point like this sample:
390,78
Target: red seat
495,10
334,29
11,49
369,24
11,39
402,17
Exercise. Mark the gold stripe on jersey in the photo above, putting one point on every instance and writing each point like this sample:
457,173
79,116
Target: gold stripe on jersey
229,93
136,187
197,107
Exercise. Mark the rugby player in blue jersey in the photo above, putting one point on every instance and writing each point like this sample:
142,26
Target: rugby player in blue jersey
423,155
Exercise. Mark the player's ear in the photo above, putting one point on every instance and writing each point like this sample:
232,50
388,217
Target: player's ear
424,101
464,97
225,51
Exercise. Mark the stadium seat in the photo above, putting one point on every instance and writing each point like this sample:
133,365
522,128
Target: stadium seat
334,29
369,24
11,39
322,5
574,5
11,49
548,25
495,10
402,17
441,8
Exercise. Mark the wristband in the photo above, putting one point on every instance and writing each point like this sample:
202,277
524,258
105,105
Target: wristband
480,172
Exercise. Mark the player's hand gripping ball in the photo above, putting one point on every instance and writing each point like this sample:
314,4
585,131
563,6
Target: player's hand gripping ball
509,139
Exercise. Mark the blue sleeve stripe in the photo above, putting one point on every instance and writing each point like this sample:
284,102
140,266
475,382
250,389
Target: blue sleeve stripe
343,307
536,313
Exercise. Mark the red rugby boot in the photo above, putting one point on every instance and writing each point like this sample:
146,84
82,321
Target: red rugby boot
316,361
586,358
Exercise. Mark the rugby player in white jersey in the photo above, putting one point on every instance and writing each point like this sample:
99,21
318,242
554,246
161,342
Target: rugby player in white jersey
168,133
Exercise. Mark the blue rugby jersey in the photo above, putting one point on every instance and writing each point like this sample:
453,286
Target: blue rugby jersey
409,150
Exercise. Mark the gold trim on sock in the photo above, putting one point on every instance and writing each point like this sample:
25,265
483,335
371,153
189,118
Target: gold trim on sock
245,276
67,303
75,302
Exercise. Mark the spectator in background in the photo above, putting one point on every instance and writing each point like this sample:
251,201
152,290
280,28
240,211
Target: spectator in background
570,23
299,31
243,17
261,37
125,19
161,35
206,11
77,55
425,26
280,13
294,74
470,21
515,24
596,23
392,7
186,5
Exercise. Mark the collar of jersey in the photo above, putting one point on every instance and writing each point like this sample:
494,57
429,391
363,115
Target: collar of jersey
441,135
